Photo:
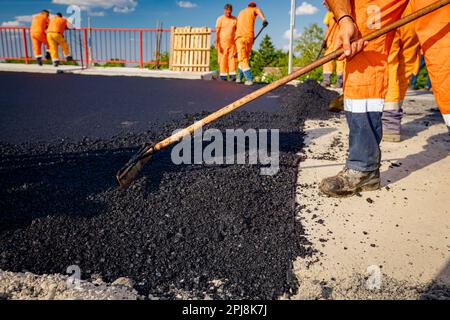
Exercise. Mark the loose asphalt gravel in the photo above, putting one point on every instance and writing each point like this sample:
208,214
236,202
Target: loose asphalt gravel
222,231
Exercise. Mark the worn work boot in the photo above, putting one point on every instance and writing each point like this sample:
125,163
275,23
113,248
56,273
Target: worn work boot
39,61
349,182
56,64
224,78
232,78
48,55
392,136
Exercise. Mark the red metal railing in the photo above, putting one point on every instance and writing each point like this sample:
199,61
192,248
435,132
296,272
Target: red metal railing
96,45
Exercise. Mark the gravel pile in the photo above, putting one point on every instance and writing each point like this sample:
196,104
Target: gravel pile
27,286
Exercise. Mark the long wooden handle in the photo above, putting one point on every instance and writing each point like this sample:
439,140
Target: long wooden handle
259,33
270,87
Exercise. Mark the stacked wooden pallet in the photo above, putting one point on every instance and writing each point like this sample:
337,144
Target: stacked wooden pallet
190,49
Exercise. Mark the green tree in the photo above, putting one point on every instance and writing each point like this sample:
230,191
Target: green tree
213,62
308,47
265,56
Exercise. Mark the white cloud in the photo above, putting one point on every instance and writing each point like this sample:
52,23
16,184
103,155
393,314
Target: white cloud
186,4
287,34
18,21
96,13
11,24
119,6
306,9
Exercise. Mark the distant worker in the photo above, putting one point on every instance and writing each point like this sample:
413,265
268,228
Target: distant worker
403,62
245,36
55,36
38,29
328,45
225,45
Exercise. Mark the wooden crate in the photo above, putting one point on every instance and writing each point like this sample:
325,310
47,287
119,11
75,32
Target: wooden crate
190,49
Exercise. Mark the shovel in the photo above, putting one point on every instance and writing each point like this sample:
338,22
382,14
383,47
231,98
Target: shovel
259,33
132,169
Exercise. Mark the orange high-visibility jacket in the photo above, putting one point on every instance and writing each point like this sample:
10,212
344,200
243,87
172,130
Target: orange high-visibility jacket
226,29
57,25
39,23
246,22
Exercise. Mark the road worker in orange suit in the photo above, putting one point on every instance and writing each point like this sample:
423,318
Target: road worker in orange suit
55,36
38,28
245,36
225,45
403,62
366,80
328,45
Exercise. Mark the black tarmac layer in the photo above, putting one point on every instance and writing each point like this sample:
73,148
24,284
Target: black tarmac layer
225,231
44,107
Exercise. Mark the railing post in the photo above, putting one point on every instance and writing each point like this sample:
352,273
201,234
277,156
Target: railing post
141,48
86,48
25,45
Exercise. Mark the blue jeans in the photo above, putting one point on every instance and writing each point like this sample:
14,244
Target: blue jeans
366,131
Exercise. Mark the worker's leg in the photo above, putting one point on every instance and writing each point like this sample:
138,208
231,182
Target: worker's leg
53,43
340,66
64,46
37,47
242,61
232,62
433,32
219,62
328,69
223,63
244,47
47,46
48,56
247,71
365,87
392,111
403,61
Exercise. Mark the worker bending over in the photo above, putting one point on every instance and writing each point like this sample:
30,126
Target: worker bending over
245,36
55,36
225,45
38,28
328,45
403,62
366,80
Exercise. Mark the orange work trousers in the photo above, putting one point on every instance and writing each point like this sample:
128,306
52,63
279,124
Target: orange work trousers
244,50
227,59
366,76
403,62
39,39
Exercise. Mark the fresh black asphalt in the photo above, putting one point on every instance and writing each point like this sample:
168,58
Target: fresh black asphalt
225,231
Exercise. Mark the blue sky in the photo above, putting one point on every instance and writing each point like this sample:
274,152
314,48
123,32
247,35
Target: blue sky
145,13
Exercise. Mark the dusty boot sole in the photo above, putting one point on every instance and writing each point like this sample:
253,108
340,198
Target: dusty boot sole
370,186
